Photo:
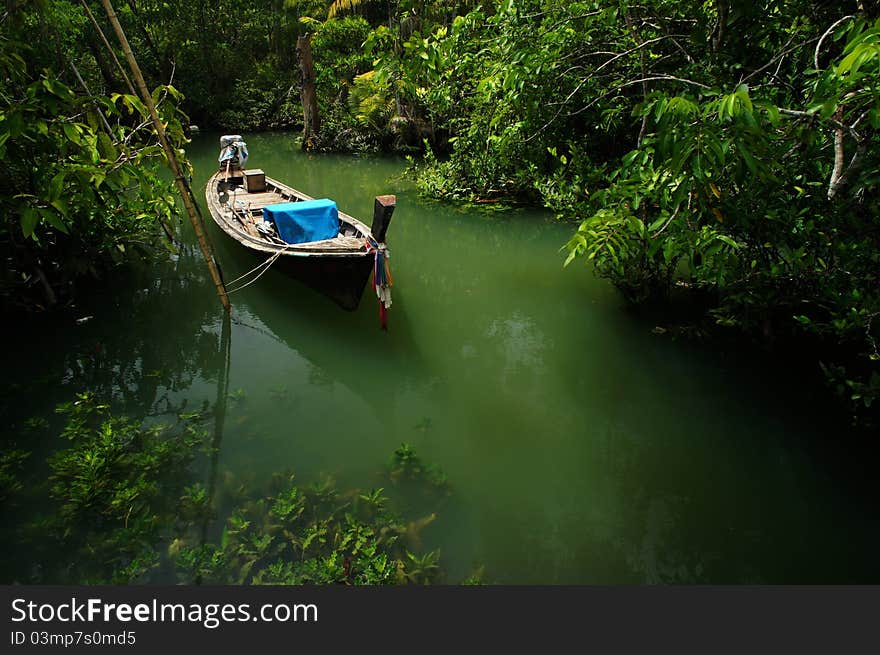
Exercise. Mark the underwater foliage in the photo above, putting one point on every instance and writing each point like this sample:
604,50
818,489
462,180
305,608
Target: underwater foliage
127,506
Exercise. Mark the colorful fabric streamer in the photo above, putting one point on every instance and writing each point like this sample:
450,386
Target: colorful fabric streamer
382,280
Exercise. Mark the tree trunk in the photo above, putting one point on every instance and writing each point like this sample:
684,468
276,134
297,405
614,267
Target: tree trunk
311,119
718,32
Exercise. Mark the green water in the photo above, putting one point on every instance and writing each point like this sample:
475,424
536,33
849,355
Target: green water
581,446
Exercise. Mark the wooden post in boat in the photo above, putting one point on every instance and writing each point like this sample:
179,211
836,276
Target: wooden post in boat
311,118
179,180
382,210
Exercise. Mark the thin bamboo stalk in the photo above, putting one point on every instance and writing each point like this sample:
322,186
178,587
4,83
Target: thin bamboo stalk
109,47
85,87
179,179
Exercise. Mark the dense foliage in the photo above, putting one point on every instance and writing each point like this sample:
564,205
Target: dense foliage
723,150
126,505
80,188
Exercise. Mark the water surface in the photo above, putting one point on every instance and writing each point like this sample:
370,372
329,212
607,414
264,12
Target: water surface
581,446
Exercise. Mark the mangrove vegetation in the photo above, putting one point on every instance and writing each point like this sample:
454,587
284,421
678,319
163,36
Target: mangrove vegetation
124,506
715,161
722,149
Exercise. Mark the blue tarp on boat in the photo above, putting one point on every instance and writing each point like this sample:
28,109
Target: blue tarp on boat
309,220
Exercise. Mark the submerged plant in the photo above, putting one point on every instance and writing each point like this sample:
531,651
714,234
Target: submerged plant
407,467
115,488
280,392
311,535
238,396
126,508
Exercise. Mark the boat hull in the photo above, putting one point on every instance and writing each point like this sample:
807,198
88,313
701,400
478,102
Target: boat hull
338,272
341,279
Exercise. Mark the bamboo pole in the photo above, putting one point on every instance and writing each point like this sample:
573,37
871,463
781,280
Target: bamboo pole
219,409
179,180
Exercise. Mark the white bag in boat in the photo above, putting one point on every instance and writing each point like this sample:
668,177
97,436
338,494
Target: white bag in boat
242,152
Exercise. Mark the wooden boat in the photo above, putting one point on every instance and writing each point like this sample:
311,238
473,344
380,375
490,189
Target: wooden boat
337,267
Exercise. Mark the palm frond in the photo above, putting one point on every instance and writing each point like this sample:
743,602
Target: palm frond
343,6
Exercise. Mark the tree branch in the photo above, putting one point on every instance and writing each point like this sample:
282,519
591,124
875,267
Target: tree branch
837,171
839,175
823,37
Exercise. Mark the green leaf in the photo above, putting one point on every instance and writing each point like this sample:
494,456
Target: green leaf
57,88
55,220
748,158
106,148
726,239
15,124
72,132
30,217
56,186
657,223
59,204
772,114
742,94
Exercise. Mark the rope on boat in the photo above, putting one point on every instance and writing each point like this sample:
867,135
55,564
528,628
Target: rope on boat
382,279
266,265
